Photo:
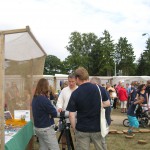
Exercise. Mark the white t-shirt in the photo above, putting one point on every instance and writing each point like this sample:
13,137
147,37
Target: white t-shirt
64,97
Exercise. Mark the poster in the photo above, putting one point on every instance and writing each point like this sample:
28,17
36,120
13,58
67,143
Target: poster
7,115
22,114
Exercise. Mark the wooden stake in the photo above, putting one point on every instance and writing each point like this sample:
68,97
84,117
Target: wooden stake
2,136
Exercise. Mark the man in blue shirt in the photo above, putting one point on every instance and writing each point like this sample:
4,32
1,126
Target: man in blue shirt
86,102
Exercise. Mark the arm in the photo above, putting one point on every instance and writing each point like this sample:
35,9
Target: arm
106,103
147,100
137,95
111,88
126,94
105,97
72,120
49,108
59,103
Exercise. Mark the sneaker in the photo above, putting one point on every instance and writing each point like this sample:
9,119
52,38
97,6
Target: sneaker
130,134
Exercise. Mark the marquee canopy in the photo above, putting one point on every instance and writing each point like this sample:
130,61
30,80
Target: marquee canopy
21,65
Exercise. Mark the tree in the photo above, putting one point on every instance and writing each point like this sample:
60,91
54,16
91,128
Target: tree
140,69
124,56
143,66
80,46
108,49
101,56
52,65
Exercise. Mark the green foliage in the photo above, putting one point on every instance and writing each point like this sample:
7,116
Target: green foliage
97,54
108,49
144,61
91,52
80,46
125,57
52,65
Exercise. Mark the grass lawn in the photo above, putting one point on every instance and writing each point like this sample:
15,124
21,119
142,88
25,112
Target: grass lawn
118,141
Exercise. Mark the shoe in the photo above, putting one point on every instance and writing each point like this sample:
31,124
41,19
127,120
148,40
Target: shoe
130,134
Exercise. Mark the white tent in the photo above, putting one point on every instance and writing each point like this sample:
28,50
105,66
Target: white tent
129,79
21,58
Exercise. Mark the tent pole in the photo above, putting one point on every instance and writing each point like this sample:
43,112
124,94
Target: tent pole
2,38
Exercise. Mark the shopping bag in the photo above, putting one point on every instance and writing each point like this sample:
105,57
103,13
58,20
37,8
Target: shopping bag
103,122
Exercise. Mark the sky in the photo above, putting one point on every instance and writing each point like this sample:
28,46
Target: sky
52,21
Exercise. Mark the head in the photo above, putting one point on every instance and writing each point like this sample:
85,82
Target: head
127,85
120,82
142,87
140,99
42,87
108,85
95,80
133,84
71,81
122,85
148,83
81,75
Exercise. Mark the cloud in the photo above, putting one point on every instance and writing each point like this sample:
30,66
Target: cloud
52,21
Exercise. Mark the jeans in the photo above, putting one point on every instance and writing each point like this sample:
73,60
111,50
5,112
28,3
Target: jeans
83,140
47,138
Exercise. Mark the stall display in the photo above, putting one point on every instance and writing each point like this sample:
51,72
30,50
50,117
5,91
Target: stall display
18,138
21,66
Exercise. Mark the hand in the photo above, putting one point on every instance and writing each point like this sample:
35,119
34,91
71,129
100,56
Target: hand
60,110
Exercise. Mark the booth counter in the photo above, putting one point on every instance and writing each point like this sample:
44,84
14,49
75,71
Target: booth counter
22,139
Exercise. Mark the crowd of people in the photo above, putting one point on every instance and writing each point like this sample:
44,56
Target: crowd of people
80,97
133,98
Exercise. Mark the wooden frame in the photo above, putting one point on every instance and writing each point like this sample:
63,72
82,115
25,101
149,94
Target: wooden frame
2,41
2,73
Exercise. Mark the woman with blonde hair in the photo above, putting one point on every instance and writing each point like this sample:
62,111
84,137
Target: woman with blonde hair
43,113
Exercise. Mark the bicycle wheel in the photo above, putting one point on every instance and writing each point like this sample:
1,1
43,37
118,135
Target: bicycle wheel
144,122
126,122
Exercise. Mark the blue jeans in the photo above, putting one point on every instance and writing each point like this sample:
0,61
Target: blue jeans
47,138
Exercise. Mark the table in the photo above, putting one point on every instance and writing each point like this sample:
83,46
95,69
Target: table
21,139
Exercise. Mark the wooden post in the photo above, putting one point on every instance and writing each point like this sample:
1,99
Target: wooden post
54,85
2,136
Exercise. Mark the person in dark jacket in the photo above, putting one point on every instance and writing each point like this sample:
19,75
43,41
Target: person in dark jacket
43,115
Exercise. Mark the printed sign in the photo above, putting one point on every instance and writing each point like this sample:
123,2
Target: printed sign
22,114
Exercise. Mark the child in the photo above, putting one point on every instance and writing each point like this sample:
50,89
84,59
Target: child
132,111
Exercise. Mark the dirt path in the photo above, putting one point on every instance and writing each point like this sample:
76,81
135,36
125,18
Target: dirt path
118,117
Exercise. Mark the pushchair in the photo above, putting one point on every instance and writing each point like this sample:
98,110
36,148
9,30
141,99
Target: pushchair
142,117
